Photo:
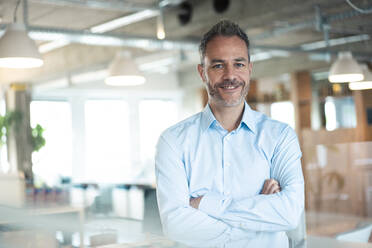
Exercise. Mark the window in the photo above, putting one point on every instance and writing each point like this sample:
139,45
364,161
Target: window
107,141
4,164
284,112
54,159
339,113
155,116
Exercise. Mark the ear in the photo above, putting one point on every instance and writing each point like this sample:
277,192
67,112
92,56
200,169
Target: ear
202,72
250,66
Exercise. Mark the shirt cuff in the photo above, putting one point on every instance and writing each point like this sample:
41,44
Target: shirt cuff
214,203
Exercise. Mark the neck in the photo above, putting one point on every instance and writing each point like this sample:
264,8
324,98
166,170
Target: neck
228,117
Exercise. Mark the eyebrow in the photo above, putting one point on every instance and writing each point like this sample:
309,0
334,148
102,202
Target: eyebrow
217,61
222,61
240,59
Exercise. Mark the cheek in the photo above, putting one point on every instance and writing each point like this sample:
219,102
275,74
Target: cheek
245,76
213,77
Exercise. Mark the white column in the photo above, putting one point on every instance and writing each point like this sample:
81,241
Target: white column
134,125
78,138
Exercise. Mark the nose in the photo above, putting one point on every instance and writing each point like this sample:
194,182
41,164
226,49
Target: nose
229,73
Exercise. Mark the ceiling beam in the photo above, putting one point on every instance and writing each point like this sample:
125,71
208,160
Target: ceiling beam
112,5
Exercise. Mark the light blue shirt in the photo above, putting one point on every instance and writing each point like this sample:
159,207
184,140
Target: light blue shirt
198,157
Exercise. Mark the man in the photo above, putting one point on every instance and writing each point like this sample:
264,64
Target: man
217,171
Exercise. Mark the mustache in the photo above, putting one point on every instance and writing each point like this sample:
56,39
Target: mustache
228,82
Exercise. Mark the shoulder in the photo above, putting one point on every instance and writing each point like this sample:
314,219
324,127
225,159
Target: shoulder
183,129
271,133
269,125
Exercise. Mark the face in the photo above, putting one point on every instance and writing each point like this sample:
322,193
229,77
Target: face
226,71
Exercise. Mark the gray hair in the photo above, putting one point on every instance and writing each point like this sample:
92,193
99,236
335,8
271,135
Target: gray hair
225,28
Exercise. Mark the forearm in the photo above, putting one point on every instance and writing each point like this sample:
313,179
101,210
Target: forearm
277,212
194,228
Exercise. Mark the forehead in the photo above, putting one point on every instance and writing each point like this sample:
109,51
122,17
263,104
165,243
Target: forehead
222,47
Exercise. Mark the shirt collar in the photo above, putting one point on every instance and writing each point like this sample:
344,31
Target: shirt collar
248,118
207,118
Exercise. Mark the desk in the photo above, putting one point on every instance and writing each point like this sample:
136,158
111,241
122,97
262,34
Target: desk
312,242
319,242
64,218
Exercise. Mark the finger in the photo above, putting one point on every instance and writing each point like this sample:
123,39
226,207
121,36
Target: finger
273,187
265,187
277,190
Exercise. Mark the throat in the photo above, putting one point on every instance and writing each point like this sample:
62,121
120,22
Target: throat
228,117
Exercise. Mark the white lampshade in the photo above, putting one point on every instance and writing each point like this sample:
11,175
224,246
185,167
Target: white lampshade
366,83
345,69
17,50
123,71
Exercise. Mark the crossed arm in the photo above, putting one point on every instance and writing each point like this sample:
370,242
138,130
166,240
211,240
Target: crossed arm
214,219
271,186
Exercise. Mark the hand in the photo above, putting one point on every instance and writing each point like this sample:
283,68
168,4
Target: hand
194,202
271,186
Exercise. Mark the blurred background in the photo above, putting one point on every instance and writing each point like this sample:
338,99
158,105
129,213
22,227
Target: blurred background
87,86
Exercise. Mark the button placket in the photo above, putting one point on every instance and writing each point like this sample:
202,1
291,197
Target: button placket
227,166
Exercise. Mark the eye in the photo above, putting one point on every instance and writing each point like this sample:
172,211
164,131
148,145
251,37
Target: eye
217,66
239,65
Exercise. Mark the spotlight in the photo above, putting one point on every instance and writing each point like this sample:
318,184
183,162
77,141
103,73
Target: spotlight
185,13
221,6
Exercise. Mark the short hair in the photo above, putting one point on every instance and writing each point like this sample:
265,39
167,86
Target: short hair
222,28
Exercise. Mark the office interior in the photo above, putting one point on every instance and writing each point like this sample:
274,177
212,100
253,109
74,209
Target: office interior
77,150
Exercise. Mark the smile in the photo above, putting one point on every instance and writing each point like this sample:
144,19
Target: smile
230,87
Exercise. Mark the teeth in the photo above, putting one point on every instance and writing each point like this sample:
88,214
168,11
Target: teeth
229,87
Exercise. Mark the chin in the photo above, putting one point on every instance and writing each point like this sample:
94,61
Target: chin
231,103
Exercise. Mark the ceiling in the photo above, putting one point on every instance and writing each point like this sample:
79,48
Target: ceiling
286,35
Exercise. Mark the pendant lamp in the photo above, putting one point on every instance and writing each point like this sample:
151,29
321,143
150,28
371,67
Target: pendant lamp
123,71
17,50
366,83
345,69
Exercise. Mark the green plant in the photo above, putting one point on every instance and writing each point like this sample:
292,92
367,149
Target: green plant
14,118
37,139
6,121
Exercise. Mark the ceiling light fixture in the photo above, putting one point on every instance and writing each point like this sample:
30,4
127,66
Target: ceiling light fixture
366,83
17,50
345,69
125,20
123,71
160,31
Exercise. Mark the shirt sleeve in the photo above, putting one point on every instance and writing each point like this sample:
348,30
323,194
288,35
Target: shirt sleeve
275,212
180,221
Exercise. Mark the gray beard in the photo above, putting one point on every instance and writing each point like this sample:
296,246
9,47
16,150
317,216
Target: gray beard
215,96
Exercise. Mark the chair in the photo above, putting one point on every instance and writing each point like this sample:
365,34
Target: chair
358,234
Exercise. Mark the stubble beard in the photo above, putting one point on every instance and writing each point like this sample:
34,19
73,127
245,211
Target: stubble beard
216,97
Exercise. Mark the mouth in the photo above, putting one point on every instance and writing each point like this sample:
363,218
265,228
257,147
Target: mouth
230,87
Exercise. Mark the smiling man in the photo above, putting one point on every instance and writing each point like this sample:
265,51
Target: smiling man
228,176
